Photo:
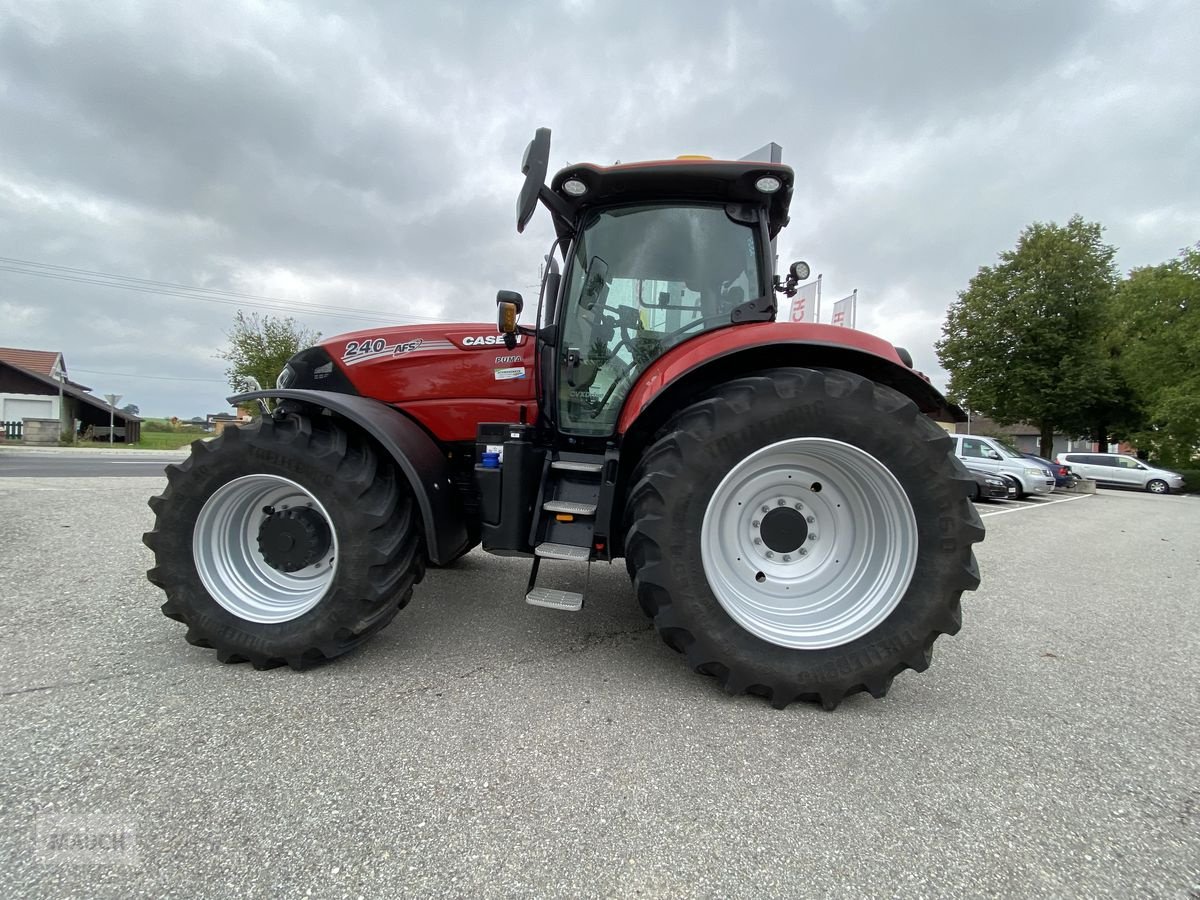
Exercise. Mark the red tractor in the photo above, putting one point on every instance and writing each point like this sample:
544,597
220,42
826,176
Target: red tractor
793,520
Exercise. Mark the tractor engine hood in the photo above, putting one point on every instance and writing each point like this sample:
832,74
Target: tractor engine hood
439,373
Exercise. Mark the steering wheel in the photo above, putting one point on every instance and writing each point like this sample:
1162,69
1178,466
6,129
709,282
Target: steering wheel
665,342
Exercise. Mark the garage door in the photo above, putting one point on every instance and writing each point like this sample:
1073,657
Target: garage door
16,410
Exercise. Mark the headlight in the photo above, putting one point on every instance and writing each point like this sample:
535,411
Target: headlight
1039,473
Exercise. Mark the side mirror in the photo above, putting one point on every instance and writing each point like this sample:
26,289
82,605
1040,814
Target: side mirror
992,454
533,166
508,306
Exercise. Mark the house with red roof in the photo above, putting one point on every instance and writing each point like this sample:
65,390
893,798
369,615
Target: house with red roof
34,385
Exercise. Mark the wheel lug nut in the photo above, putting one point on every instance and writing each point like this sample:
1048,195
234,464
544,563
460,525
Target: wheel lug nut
799,506
755,523
782,502
757,542
766,508
812,536
787,557
770,555
803,552
811,519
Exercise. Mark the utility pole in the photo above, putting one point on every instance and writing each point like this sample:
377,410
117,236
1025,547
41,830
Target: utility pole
112,400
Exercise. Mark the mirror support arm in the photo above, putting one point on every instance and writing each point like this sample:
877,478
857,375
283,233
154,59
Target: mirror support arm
557,206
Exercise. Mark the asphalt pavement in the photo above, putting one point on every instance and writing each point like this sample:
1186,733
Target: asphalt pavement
71,463
483,747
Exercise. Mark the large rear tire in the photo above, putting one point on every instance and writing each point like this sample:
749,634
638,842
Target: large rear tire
286,541
802,534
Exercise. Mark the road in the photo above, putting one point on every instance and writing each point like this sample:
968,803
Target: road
482,747
83,463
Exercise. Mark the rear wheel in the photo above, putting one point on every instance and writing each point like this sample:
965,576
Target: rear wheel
287,541
803,534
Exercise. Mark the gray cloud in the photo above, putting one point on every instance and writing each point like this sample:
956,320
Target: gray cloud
367,154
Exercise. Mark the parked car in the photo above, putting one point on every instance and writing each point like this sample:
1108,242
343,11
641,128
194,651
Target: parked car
1063,476
990,487
1122,471
985,454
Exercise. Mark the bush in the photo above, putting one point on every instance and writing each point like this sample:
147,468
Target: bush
1191,480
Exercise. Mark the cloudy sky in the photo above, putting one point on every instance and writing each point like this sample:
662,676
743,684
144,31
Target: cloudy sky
364,157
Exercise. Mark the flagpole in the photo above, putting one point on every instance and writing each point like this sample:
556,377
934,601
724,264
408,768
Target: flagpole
817,316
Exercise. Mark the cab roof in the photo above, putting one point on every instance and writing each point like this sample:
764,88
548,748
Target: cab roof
674,180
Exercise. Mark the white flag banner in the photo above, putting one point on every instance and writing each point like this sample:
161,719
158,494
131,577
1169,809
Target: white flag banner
844,311
804,304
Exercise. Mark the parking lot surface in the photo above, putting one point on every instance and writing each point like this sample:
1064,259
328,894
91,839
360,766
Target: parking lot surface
483,747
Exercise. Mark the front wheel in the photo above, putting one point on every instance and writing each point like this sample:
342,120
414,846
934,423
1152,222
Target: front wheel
1015,491
1158,486
803,534
285,541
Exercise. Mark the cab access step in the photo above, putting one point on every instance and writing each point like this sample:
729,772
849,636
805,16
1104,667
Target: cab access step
567,523
565,526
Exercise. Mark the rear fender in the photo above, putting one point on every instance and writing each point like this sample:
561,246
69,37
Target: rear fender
419,458
687,372
718,356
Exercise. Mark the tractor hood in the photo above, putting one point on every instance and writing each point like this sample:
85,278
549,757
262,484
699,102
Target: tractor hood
446,376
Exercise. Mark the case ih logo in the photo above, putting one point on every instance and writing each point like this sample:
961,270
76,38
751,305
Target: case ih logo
488,340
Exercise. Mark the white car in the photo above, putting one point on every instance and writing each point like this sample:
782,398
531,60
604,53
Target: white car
1123,471
985,454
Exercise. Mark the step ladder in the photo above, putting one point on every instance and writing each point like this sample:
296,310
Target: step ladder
564,524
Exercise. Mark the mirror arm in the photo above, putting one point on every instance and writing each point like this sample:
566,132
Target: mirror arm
557,206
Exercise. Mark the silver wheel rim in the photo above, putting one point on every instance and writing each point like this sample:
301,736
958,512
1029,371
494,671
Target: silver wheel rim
853,565
1158,487
230,565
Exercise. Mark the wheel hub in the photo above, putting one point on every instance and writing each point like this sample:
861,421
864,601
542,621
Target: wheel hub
784,529
292,539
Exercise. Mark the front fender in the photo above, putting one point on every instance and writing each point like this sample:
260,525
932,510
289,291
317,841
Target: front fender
419,458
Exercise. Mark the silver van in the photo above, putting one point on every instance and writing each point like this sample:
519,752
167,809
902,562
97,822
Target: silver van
985,454
1123,471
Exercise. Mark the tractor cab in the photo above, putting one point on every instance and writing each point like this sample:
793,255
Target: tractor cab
654,254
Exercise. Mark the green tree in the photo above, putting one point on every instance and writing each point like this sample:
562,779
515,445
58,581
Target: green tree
259,346
1157,310
1023,342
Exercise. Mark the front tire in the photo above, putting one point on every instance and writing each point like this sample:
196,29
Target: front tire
1015,491
850,472
1158,486
286,541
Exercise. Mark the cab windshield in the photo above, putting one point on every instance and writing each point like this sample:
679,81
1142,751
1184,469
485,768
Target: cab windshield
643,279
